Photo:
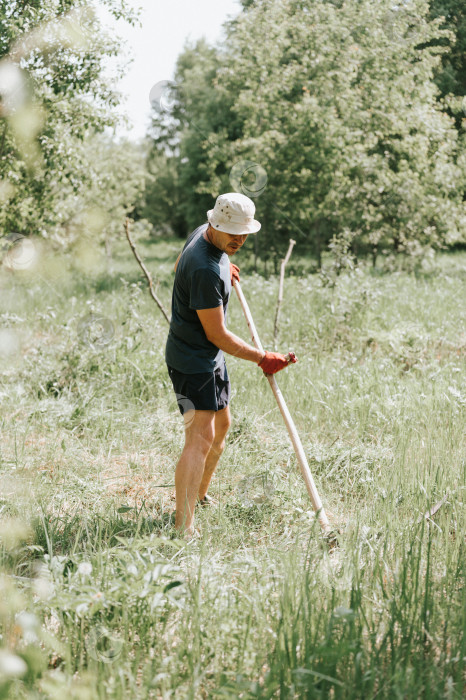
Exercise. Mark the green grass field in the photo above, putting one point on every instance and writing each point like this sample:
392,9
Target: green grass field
98,601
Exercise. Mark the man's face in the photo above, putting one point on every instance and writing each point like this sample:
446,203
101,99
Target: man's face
228,242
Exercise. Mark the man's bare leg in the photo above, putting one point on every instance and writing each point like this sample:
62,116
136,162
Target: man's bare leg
199,436
222,423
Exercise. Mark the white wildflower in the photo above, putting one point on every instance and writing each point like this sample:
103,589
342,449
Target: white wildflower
82,609
85,568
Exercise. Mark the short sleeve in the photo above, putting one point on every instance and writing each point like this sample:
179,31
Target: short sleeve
205,290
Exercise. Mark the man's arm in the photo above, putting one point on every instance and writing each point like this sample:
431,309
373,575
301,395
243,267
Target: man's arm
213,323
177,260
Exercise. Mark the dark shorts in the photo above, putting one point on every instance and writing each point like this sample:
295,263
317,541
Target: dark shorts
208,391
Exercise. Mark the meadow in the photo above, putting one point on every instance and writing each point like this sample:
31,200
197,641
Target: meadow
99,600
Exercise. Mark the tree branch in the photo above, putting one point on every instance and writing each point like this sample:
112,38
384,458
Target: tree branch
146,272
280,290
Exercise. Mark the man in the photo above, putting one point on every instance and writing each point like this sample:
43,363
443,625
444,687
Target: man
196,341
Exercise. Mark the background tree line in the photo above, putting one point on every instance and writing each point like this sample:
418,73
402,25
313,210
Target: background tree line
343,120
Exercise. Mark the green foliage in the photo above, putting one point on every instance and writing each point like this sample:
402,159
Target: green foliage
55,98
163,195
451,74
114,177
330,116
184,118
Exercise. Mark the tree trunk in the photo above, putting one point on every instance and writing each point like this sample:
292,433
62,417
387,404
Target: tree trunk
318,248
354,249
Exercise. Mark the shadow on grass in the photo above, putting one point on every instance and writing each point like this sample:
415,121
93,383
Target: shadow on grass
248,516
76,533
58,534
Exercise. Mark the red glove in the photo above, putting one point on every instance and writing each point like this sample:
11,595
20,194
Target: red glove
273,362
234,273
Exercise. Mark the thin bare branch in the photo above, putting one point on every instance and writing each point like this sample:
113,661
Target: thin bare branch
146,272
280,290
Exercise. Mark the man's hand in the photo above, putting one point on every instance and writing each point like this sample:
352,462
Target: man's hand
234,272
273,362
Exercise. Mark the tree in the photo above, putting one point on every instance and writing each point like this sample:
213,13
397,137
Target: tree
340,110
116,177
327,114
450,75
54,98
186,114
162,202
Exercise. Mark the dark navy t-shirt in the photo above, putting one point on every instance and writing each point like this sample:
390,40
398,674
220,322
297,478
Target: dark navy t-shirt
202,281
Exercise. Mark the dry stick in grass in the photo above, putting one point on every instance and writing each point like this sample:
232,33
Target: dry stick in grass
280,291
430,513
146,272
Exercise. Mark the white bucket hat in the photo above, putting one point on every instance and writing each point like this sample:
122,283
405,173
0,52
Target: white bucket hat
233,213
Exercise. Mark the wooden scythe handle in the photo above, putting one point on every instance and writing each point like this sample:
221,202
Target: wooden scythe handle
293,433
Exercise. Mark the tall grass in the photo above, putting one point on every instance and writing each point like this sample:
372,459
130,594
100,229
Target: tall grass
99,601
